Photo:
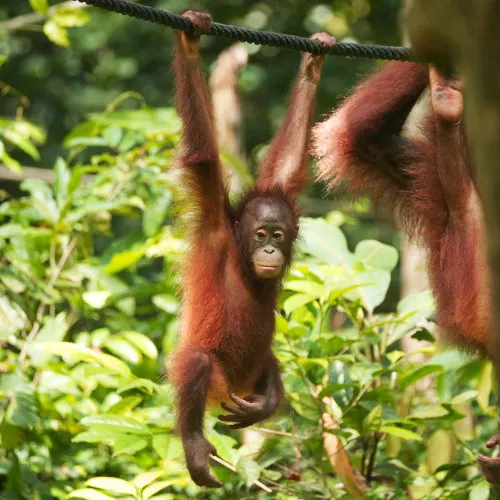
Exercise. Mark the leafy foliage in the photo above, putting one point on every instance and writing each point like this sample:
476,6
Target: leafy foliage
89,308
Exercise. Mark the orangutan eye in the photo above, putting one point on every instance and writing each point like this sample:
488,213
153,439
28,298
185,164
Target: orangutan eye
260,235
278,235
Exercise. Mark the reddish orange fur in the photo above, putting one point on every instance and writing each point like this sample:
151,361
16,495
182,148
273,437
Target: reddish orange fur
425,181
228,311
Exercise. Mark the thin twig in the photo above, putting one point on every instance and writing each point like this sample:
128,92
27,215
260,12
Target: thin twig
278,433
231,468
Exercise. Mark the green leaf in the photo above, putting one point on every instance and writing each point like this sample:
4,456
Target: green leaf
23,408
74,353
373,421
112,135
484,385
62,179
124,260
296,301
166,302
167,446
154,488
373,286
418,373
125,405
117,424
53,330
144,384
56,33
305,406
316,290
465,396
375,254
112,484
42,199
142,343
16,138
123,349
325,242
12,164
89,494
480,491
248,469
97,299
223,444
436,412
41,6
400,432
155,214
70,17
126,444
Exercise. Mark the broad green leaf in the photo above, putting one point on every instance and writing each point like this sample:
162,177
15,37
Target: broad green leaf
42,199
3,60
73,353
154,488
465,396
22,410
143,384
89,494
21,142
400,432
97,300
481,491
56,33
440,449
41,6
296,301
418,373
248,469
118,424
485,384
223,444
166,302
125,405
12,164
145,478
325,242
435,412
53,330
69,17
123,349
61,184
155,214
305,406
167,446
373,288
12,318
141,342
112,135
373,420
126,444
112,484
375,254
316,290
124,260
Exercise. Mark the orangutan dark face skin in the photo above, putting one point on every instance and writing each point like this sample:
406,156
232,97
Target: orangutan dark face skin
267,232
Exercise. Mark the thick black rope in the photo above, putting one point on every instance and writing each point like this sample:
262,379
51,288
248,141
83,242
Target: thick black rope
258,37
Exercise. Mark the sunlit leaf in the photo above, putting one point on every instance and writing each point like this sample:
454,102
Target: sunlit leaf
248,469
56,33
41,6
89,494
112,484
375,254
400,432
